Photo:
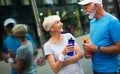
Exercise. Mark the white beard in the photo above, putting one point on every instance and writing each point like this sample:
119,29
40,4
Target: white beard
92,14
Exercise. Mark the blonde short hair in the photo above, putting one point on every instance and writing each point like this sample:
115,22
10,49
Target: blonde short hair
19,30
49,21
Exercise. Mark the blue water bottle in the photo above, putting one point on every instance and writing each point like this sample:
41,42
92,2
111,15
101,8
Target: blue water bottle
71,42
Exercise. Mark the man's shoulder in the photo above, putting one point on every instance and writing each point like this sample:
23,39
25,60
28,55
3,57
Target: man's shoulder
10,38
111,17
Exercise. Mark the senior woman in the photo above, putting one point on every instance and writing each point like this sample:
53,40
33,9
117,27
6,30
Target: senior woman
23,62
57,48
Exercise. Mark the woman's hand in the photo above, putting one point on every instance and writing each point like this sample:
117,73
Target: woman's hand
67,49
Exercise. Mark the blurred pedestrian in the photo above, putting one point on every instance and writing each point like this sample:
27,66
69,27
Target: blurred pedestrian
11,43
23,61
104,41
57,48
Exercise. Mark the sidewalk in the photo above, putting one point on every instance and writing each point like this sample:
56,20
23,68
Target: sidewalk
45,69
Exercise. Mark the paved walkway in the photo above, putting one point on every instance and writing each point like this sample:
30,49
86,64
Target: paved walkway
45,69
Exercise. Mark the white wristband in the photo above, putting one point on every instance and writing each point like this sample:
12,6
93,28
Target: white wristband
61,57
10,60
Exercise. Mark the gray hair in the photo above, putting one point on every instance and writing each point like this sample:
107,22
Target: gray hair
49,21
19,30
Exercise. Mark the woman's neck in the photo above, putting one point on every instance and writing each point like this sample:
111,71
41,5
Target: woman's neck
56,38
23,42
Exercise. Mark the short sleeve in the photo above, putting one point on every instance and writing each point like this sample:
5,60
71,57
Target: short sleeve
21,53
115,30
47,49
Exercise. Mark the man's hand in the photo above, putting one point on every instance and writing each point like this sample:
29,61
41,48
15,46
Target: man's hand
87,55
11,54
89,47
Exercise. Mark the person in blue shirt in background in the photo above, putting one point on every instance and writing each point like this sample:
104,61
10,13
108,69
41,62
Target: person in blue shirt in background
10,43
104,41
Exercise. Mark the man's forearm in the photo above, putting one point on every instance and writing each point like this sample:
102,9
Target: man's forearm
110,49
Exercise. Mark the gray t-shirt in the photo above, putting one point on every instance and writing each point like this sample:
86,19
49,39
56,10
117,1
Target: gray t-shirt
25,52
56,49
